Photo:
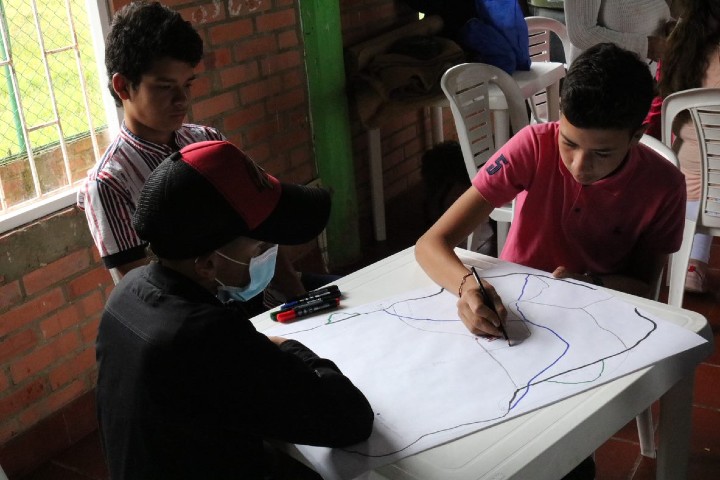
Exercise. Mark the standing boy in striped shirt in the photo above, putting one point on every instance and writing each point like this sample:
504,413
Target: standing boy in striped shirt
150,55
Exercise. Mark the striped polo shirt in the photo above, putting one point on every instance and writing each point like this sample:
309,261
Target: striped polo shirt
113,187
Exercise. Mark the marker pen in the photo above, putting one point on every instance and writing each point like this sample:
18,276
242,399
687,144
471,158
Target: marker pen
292,314
330,291
298,304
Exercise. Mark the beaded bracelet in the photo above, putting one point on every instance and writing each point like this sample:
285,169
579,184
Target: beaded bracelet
463,283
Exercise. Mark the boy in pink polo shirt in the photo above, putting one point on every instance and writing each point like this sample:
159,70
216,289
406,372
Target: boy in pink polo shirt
591,203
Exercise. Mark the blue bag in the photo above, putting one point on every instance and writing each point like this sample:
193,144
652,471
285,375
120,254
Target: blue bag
498,35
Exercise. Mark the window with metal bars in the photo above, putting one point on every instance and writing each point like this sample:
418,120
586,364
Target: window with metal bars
55,116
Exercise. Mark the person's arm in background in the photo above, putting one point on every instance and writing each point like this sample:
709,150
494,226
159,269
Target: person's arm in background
434,252
653,121
584,31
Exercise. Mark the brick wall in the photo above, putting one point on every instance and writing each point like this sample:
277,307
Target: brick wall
52,289
252,86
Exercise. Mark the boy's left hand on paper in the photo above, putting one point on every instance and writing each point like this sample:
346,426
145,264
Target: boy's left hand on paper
478,317
562,272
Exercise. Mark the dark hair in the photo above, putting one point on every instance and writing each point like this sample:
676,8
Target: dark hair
142,33
607,87
689,45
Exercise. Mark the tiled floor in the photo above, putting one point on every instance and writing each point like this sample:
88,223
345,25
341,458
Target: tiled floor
617,459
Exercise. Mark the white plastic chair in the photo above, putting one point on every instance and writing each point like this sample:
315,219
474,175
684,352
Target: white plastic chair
703,104
644,421
467,87
540,30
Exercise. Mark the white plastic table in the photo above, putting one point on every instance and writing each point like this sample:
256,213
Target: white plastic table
549,442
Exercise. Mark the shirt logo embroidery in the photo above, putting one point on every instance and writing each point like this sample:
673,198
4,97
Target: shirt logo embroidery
497,166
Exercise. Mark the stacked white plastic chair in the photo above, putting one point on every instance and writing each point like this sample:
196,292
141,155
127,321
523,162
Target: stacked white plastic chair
703,105
540,31
467,87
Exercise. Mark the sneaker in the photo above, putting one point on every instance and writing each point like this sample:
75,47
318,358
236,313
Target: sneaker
695,280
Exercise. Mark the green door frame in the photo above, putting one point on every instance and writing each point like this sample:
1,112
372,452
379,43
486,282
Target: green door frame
330,124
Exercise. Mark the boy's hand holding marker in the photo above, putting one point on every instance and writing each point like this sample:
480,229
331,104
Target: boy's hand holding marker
311,302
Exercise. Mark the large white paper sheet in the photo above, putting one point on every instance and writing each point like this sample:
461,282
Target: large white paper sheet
430,381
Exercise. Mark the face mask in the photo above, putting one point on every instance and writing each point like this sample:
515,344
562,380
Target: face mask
261,269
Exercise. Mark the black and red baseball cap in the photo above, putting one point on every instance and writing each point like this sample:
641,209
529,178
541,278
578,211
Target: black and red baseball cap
210,193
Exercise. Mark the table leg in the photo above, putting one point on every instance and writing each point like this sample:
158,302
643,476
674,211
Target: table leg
437,125
377,196
674,430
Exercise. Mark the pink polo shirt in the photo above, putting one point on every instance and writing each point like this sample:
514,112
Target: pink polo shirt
586,228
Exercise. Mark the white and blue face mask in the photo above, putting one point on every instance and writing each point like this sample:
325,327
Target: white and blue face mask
261,270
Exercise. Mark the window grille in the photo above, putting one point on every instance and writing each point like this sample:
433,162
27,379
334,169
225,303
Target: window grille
54,123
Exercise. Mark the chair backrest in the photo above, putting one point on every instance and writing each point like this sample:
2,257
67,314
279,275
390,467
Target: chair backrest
666,152
467,88
540,30
703,105
661,149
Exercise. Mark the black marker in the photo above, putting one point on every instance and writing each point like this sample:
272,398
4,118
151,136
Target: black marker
489,302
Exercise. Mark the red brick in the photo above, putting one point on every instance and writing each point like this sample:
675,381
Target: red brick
244,116
286,101
17,344
10,294
218,58
238,74
260,153
280,62
231,32
16,401
201,87
287,39
275,21
214,106
30,311
300,156
65,395
261,132
37,360
4,382
96,258
56,271
52,403
72,368
59,321
294,78
255,47
88,331
8,429
402,137
90,306
260,90
94,279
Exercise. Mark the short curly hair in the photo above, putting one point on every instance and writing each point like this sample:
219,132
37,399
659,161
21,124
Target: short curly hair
143,32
